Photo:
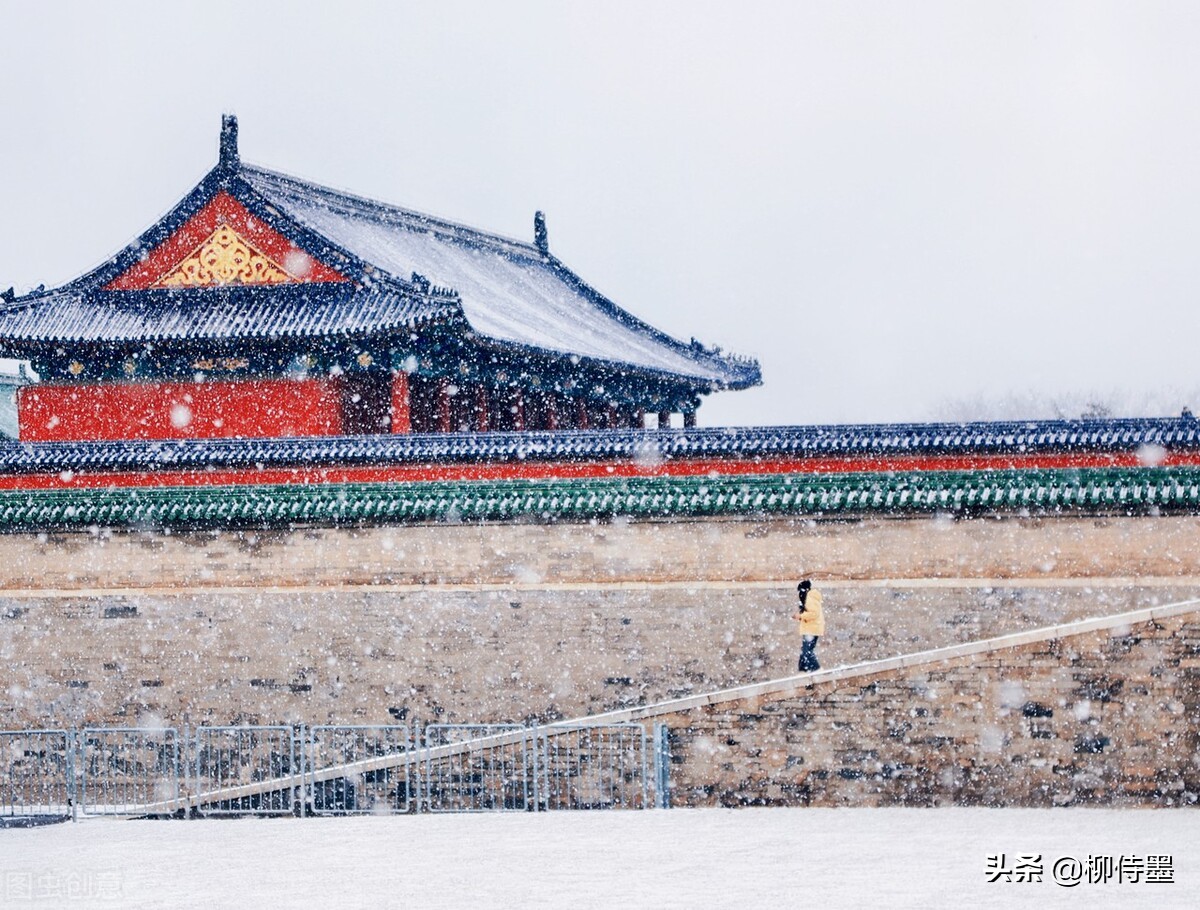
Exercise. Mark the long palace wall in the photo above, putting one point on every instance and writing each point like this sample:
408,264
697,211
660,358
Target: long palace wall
519,621
717,550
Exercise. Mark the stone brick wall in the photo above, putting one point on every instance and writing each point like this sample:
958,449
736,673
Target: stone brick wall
633,551
1105,717
520,622
459,656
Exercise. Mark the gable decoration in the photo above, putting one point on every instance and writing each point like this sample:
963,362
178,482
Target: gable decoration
223,245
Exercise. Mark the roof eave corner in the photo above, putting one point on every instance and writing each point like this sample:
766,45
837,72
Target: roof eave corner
743,373
451,304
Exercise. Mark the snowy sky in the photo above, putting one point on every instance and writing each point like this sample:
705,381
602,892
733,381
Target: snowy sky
905,211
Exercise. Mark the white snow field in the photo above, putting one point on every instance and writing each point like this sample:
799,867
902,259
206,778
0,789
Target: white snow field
709,858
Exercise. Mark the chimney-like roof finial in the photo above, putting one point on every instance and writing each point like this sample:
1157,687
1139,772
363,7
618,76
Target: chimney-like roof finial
540,238
229,145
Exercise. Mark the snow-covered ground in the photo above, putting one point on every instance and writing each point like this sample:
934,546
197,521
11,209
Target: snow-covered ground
747,858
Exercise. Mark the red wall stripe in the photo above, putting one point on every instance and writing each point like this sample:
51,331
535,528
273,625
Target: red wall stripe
573,470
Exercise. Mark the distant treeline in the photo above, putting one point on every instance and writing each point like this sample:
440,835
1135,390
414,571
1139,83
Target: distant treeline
1036,405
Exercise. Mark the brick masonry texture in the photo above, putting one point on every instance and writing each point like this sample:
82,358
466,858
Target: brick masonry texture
636,551
476,623
1109,717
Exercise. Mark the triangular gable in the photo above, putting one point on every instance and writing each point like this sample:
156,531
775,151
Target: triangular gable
223,244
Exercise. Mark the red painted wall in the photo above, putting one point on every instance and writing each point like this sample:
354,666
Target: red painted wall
401,416
179,410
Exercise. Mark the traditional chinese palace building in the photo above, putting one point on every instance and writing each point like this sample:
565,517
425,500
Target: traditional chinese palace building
265,306
273,353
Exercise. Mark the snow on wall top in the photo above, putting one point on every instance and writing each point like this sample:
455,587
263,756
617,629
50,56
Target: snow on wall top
1144,436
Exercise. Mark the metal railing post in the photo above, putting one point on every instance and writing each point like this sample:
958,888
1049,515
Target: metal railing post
72,789
422,744
662,766
184,764
299,753
532,766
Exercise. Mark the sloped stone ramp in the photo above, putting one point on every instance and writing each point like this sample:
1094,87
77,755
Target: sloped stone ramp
1100,711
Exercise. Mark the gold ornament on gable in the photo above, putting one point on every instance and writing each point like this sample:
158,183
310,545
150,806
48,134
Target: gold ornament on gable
225,258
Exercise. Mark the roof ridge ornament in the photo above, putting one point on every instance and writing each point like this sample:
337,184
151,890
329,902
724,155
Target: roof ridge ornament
229,141
541,239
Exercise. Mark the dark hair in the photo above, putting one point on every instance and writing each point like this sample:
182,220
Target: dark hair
802,589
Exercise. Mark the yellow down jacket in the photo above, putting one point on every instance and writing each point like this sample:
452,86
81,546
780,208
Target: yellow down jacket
812,620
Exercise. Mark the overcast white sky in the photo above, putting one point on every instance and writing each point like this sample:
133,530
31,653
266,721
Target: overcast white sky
903,210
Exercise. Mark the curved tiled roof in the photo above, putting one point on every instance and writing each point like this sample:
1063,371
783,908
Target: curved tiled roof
510,291
1123,490
1153,466
281,311
402,267
1013,437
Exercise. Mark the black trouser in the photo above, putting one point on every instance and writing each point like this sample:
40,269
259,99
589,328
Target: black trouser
808,654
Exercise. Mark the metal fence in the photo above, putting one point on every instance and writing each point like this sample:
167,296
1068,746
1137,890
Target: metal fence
593,767
331,770
477,768
246,770
37,774
124,769
348,774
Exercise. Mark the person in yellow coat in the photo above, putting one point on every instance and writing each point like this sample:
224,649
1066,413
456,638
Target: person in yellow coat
812,625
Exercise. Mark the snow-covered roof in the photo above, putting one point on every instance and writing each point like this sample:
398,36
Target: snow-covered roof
177,314
510,291
395,268
1135,436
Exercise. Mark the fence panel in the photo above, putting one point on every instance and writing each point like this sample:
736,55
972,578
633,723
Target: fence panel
246,770
662,766
37,773
602,767
477,768
124,770
351,769
336,787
